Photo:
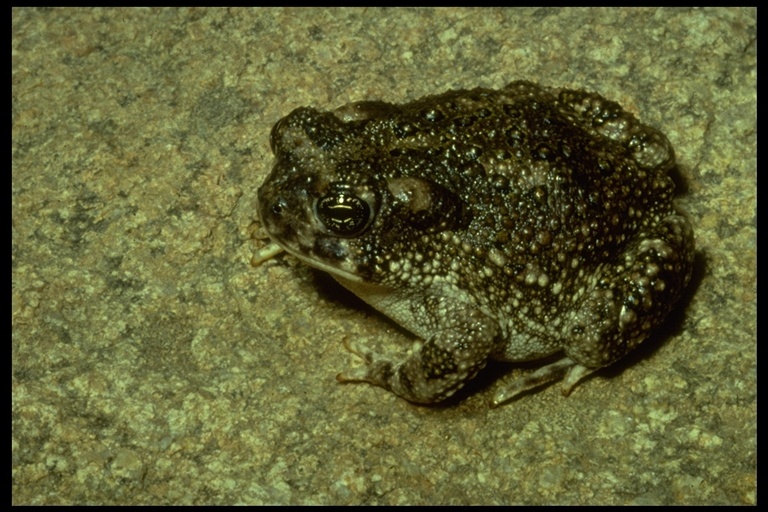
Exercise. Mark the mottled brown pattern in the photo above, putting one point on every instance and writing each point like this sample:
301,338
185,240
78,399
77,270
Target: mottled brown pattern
509,224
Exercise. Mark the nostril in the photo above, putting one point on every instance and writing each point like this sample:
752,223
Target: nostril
278,206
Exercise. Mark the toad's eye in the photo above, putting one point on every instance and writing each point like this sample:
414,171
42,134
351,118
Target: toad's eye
343,213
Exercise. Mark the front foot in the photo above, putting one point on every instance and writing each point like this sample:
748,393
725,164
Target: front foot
379,372
366,373
443,363
430,374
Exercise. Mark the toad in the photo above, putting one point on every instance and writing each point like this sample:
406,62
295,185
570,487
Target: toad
510,224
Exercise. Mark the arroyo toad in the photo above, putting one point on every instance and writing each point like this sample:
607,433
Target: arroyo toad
508,224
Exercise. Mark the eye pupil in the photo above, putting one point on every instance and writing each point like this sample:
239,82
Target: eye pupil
343,213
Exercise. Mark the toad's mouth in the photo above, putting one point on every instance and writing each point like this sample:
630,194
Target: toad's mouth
274,248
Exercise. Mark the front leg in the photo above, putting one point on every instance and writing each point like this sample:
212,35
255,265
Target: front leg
459,348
